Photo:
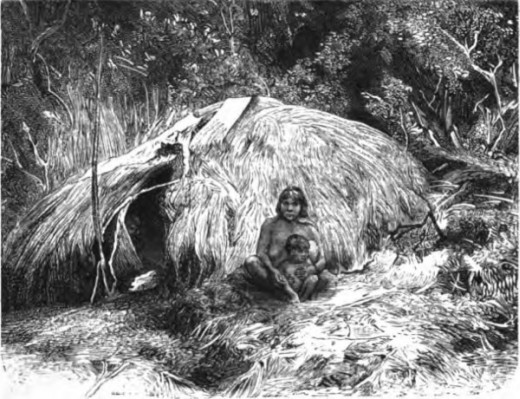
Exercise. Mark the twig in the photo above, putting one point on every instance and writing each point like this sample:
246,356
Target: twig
426,287
146,190
39,160
394,233
142,73
105,377
429,215
359,338
19,165
437,87
490,76
424,125
479,102
510,323
443,203
403,127
70,115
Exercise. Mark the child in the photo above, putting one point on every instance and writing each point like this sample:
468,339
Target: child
298,269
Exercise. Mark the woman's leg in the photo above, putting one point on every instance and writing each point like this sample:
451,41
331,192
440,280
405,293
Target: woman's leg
256,273
325,280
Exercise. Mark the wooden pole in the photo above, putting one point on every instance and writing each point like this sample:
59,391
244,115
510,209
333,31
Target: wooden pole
96,217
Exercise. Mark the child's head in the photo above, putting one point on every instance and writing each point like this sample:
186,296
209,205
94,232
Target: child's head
297,247
292,203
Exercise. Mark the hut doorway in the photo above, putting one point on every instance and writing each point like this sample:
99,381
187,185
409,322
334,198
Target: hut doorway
147,229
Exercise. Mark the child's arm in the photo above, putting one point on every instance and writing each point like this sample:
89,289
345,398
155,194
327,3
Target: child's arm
311,268
285,284
283,269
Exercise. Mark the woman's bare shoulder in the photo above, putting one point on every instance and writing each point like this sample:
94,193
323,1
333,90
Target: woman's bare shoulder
269,222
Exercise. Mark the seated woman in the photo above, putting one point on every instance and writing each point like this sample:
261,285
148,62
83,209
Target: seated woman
292,218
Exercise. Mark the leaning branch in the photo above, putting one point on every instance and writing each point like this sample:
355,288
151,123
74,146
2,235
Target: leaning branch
53,93
398,231
19,165
39,160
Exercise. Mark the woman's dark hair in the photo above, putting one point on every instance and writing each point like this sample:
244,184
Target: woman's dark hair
295,193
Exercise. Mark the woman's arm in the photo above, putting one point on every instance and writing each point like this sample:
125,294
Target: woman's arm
262,247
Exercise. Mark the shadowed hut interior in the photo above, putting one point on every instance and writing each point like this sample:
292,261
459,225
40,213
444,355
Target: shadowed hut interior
145,224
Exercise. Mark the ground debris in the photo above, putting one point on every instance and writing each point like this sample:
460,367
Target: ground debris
358,339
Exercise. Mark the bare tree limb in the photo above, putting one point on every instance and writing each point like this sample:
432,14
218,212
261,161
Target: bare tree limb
396,233
54,94
479,102
39,160
475,42
490,76
19,165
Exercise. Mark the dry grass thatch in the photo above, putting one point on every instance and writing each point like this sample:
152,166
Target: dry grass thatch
357,181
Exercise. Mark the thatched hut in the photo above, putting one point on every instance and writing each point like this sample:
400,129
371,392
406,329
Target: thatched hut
192,200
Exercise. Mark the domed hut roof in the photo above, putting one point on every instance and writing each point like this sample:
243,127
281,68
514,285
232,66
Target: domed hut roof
215,176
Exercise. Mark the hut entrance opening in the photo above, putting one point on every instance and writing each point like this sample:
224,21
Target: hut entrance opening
146,228
146,224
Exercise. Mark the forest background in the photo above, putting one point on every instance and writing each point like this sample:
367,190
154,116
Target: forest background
432,74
